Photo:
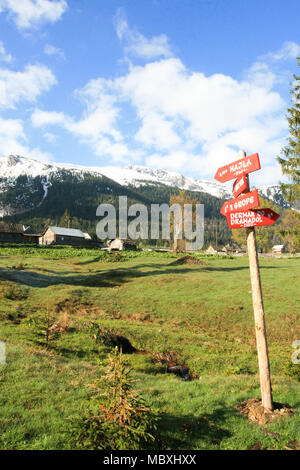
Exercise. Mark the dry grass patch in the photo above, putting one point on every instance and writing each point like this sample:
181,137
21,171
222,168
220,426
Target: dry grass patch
188,260
255,412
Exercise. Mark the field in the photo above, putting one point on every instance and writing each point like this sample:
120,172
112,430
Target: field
196,315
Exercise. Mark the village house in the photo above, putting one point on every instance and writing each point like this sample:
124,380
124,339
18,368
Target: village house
121,244
277,249
12,233
211,250
31,237
232,248
63,236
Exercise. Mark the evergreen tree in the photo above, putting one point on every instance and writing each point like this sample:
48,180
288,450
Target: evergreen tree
290,155
181,199
65,220
289,231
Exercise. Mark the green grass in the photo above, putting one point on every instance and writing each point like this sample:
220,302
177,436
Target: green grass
200,314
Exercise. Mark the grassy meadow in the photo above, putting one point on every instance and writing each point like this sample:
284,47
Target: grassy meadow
196,315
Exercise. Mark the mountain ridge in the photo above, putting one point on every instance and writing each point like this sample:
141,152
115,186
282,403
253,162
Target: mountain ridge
13,166
39,193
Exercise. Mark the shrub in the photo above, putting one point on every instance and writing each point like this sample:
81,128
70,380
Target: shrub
44,328
292,370
117,417
20,266
110,339
13,292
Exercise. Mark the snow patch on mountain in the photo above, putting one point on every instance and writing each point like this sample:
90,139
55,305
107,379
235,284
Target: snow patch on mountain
13,166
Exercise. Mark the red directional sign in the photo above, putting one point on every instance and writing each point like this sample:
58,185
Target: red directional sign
253,218
240,185
239,167
244,202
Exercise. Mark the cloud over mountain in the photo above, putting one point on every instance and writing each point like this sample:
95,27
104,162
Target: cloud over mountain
28,14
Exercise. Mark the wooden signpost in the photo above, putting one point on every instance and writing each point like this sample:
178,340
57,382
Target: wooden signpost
239,167
245,201
254,218
239,215
240,185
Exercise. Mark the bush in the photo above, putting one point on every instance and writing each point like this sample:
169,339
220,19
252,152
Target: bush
292,370
117,417
20,266
110,339
13,292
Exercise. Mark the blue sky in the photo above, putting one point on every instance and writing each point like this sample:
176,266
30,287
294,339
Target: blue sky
175,84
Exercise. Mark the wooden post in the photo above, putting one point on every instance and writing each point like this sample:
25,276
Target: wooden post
259,319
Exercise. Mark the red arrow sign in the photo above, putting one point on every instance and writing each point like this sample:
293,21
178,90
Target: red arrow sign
239,167
244,202
254,218
240,185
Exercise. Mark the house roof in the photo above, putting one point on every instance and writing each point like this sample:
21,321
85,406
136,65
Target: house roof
11,228
67,232
125,241
87,236
128,241
212,248
32,235
277,247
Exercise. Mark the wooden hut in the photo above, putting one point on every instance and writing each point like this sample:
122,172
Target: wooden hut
120,244
63,236
211,250
277,249
11,233
232,248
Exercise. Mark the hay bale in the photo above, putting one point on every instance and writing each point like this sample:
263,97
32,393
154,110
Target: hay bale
188,259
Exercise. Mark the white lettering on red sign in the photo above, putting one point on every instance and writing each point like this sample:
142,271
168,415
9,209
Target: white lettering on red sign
247,219
242,165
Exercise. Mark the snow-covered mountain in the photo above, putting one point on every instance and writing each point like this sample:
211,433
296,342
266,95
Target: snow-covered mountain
14,166
141,175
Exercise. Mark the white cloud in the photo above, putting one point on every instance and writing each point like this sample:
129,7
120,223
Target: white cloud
13,141
178,118
24,86
270,69
209,106
40,118
96,129
175,160
17,87
36,154
4,57
289,50
50,137
261,74
52,50
158,132
12,129
136,44
31,13
98,119
98,124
